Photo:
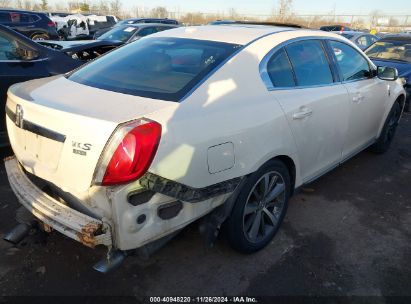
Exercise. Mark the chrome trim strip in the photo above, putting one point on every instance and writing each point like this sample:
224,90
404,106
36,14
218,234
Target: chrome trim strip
36,129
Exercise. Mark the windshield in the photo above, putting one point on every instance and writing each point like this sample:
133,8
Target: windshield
122,33
390,50
159,68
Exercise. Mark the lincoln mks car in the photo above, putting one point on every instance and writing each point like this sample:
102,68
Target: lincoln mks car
218,122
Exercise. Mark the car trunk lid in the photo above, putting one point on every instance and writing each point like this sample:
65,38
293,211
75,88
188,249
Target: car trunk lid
59,128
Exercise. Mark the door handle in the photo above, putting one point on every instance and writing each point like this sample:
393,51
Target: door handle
303,113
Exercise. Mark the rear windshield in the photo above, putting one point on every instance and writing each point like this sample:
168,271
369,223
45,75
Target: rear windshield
159,68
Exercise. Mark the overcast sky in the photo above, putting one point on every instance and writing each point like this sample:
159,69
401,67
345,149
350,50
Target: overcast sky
265,6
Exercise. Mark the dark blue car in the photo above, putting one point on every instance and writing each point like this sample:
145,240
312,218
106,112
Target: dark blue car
394,51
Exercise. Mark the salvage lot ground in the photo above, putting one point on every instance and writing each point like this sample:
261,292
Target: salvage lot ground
346,234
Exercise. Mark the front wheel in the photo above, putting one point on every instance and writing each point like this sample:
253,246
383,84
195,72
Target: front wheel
260,208
383,142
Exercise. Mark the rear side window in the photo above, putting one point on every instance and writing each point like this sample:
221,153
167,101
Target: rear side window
5,17
310,64
280,71
352,64
17,17
159,68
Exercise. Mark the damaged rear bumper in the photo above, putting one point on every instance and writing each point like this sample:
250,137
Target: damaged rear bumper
78,226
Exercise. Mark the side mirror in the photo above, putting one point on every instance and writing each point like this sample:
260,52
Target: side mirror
387,73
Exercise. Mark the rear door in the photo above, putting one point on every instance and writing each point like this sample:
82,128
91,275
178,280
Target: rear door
15,67
367,95
316,105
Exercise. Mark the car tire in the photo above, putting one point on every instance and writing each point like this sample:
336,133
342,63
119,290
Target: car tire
383,142
40,36
260,208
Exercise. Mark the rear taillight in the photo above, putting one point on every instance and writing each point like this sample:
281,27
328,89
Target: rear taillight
129,152
51,24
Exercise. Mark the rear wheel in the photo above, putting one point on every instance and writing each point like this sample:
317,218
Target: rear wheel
40,36
260,208
383,142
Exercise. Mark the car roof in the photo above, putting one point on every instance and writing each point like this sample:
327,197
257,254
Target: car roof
232,33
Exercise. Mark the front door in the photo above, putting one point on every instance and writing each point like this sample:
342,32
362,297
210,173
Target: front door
367,95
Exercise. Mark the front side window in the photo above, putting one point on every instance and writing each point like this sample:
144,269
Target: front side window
8,49
310,64
352,64
280,71
161,68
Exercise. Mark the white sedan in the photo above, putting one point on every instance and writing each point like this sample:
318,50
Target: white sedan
221,120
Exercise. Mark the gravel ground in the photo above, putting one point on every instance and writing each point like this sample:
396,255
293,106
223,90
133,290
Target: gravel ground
346,234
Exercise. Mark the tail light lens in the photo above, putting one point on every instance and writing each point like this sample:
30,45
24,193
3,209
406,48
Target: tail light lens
51,24
129,152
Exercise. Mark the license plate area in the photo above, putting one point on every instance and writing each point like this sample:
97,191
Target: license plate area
41,151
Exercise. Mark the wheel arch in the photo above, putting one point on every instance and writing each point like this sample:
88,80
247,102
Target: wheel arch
38,33
290,164
290,160
401,100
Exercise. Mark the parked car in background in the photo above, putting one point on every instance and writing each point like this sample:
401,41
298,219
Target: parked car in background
361,39
335,28
22,59
80,26
131,32
135,21
218,120
34,25
97,23
394,51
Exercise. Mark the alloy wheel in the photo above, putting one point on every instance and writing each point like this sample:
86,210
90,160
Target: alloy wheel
264,206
